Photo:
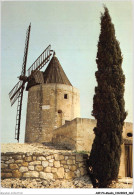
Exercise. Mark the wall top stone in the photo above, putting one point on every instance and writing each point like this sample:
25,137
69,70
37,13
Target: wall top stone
18,149
52,85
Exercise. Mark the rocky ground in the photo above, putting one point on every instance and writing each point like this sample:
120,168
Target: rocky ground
82,182
123,183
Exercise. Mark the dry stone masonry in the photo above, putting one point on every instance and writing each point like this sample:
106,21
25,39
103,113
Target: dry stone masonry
48,166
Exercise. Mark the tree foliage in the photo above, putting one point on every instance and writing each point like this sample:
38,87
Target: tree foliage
108,107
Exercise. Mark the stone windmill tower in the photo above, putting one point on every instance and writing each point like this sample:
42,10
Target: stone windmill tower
51,103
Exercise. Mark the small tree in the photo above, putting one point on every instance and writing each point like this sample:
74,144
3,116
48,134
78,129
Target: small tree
108,107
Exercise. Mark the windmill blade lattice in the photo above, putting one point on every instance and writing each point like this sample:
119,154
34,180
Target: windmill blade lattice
20,97
18,115
17,91
40,61
14,93
23,73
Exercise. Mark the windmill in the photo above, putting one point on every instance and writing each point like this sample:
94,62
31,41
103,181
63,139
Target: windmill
33,72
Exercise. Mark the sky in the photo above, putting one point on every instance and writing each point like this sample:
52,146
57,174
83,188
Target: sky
72,28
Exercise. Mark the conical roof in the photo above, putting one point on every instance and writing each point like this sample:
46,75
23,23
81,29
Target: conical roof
54,73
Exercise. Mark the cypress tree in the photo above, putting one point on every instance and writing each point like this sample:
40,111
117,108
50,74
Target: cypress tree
108,107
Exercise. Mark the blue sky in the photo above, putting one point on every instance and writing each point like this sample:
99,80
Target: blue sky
72,29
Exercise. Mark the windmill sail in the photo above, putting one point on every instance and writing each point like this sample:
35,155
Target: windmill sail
40,61
18,115
14,93
20,97
23,73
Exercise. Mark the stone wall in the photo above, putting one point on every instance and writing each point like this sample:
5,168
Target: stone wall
66,135
77,134
48,107
63,165
85,134
127,128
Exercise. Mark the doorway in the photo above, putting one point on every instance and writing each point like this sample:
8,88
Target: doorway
128,160
59,121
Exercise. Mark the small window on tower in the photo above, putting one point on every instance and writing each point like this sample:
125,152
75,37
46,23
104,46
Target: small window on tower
65,96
